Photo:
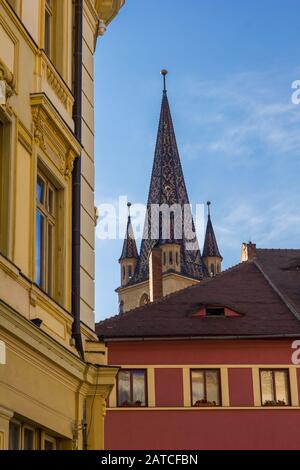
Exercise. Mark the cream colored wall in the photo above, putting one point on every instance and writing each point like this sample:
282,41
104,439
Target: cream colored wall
174,282
132,295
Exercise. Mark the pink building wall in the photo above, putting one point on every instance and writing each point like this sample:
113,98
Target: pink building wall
190,428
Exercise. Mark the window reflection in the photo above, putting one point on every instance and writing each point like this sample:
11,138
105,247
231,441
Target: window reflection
131,388
275,388
206,387
39,248
45,234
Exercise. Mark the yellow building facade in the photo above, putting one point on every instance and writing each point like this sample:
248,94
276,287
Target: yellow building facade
53,375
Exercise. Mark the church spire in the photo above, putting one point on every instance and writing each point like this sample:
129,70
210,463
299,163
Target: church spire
129,250
129,256
211,254
167,186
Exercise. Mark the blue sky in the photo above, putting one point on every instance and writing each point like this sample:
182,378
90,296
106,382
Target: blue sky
231,65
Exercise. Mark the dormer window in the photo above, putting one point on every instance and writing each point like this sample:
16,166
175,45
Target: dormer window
215,311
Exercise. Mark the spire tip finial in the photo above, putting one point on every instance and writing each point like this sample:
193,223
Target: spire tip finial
164,72
129,206
208,206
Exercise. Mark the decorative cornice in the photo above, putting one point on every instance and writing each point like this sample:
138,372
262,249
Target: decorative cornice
57,83
51,129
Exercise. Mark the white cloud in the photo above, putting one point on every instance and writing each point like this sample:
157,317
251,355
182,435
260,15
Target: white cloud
243,113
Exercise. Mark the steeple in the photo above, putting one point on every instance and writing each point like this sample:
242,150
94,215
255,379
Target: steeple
129,256
211,254
167,187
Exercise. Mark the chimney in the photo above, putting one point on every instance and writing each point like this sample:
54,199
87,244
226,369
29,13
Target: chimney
155,274
248,252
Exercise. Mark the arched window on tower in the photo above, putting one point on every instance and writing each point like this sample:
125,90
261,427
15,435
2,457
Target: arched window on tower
171,257
144,300
129,271
212,269
124,272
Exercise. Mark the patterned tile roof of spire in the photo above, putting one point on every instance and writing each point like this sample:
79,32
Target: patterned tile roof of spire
167,186
129,245
210,248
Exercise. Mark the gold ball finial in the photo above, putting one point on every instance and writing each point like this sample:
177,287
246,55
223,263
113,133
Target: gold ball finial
164,72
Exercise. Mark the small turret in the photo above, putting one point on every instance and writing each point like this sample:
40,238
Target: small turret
129,256
211,254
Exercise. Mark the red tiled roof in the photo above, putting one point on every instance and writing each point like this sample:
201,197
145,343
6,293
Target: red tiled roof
266,293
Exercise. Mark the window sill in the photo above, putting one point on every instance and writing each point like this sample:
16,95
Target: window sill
199,409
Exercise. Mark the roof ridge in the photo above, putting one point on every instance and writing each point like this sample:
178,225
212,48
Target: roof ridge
288,303
277,249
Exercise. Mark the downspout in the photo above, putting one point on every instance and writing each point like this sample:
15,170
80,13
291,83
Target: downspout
76,177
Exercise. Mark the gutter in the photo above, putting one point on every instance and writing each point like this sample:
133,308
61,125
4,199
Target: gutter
198,338
76,178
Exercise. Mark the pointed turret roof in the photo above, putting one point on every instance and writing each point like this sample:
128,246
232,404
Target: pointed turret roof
167,186
129,245
210,248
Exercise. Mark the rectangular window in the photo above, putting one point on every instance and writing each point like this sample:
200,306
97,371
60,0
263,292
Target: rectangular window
49,22
46,222
131,388
28,438
206,387
49,443
23,436
275,387
14,436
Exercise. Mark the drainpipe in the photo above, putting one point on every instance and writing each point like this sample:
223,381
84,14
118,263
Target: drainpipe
76,178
